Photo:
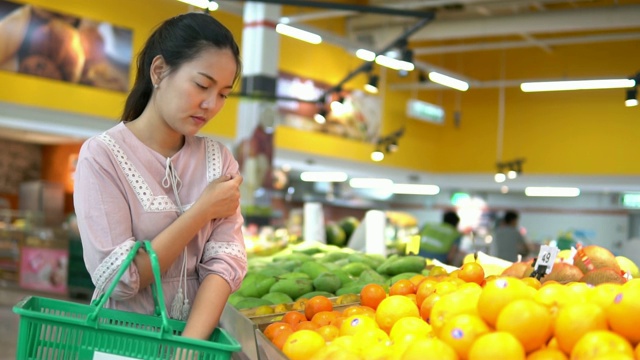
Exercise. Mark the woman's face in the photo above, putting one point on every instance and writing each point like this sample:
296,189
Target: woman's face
188,97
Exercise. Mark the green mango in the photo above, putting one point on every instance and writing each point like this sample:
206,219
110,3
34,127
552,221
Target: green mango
403,276
294,275
235,298
313,269
277,298
249,303
293,287
273,271
353,288
311,294
409,263
328,282
260,287
334,256
355,269
370,276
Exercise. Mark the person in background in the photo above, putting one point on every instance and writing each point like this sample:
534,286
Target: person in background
508,241
150,177
441,241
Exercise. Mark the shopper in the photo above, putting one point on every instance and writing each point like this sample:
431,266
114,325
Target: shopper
441,241
508,241
151,178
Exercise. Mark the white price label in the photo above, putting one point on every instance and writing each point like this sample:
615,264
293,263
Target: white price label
104,356
546,257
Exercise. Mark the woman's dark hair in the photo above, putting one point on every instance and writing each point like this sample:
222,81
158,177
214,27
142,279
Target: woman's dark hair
177,40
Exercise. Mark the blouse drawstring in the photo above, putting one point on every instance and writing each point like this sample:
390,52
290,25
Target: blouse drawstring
180,306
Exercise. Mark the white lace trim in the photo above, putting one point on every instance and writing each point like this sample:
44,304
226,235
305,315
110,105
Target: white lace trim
110,265
214,159
138,184
213,248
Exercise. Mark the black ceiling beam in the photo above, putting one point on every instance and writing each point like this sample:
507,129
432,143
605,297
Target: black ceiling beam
367,65
350,7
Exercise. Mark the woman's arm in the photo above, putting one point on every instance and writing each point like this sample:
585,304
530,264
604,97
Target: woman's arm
207,307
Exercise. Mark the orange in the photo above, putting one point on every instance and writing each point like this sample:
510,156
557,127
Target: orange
377,351
533,282
461,331
450,305
306,325
344,342
413,298
293,318
368,311
409,328
427,306
281,338
338,320
579,291
472,272
353,310
547,354
496,294
624,313
437,271
530,322
274,328
394,308
497,345
299,304
638,351
575,320
601,344
317,304
371,295
426,288
433,347
604,294
368,338
402,287
553,295
328,332
324,318
355,323
303,344
417,279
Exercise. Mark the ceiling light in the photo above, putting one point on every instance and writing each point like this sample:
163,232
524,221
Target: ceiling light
448,81
394,63
370,183
203,4
372,85
577,85
366,55
500,177
298,34
415,189
377,155
321,116
552,191
512,174
323,176
632,98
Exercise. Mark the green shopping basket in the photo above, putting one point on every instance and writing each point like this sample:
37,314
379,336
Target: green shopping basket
51,329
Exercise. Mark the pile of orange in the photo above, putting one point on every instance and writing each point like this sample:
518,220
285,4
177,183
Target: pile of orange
464,315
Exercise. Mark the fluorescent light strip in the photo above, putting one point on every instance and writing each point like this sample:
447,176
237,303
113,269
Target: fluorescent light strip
203,4
394,63
326,176
448,81
298,34
366,55
577,85
416,189
370,183
552,191
631,102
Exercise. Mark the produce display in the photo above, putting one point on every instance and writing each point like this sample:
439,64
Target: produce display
587,307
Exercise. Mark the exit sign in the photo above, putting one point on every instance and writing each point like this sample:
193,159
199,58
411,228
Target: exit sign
422,110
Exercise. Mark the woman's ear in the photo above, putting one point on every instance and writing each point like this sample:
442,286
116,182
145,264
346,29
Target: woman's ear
158,70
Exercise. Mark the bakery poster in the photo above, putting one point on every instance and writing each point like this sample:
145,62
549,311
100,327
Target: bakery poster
352,114
63,47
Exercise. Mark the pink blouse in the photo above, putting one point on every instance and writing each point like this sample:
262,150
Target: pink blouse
124,192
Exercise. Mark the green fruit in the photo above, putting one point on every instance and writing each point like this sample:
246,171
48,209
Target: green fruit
410,263
273,271
292,287
355,268
349,225
235,298
403,276
372,262
353,288
335,235
370,276
277,298
344,277
259,287
328,282
313,269
294,275
311,294
334,256
294,256
249,303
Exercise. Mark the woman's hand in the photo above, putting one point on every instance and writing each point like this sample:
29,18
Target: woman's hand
221,198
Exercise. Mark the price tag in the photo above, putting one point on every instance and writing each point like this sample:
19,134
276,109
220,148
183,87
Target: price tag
546,257
413,246
104,356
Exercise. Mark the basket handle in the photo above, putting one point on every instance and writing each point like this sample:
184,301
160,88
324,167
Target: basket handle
156,287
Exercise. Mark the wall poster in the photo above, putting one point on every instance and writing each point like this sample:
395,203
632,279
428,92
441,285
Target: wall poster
44,43
358,118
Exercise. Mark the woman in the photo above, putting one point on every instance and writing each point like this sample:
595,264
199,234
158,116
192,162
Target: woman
151,178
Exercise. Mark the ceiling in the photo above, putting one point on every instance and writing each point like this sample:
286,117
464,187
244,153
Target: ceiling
462,26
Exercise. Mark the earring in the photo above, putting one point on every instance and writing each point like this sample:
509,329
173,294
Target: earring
155,86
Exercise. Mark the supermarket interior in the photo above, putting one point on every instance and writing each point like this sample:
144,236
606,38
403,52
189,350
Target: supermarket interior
399,159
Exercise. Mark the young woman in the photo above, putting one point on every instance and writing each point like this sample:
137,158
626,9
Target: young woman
151,178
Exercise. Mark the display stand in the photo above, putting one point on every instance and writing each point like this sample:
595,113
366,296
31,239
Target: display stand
369,235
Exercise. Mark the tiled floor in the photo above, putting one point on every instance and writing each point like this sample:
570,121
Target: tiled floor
10,294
